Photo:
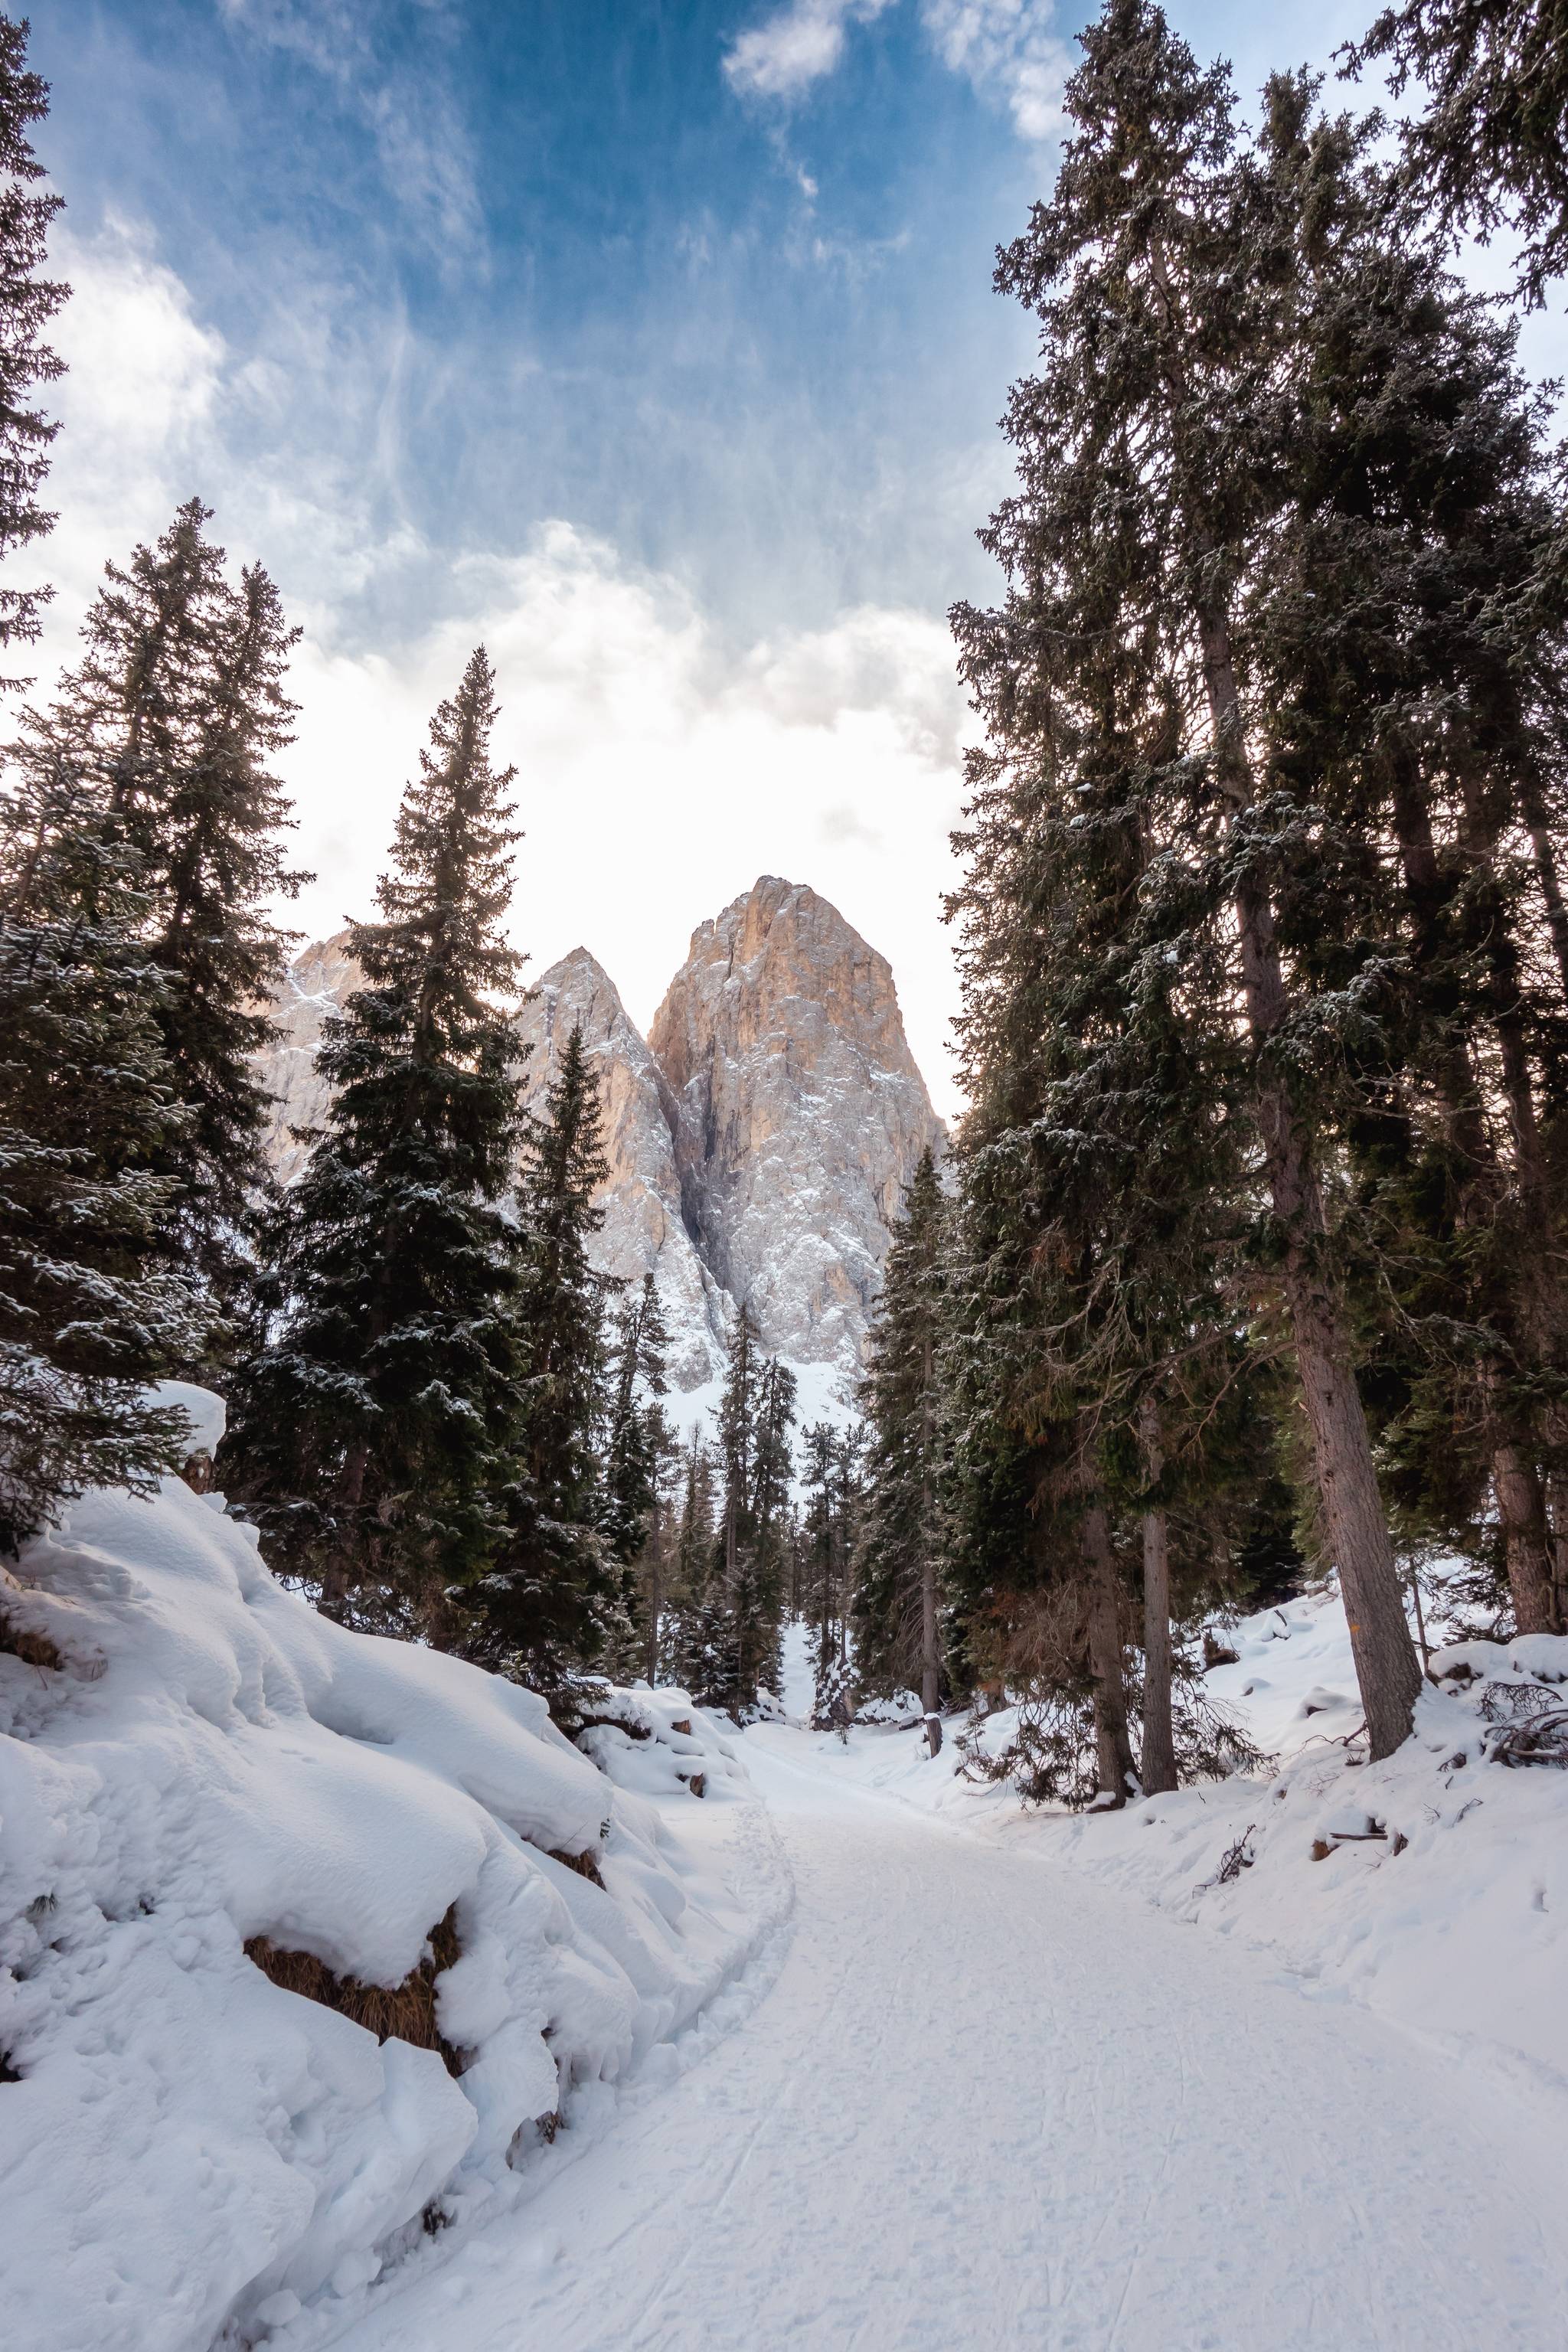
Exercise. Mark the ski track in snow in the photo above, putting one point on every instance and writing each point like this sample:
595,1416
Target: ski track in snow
989,2102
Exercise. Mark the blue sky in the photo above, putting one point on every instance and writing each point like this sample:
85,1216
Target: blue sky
654,342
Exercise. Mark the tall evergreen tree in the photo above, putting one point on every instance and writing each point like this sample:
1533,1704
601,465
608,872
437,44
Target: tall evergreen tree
637,1441
371,1435
898,1592
1490,148
88,1316
1154,466
693,1650
553,1600
827,1536
28,300
86,1319
170,722
751,1549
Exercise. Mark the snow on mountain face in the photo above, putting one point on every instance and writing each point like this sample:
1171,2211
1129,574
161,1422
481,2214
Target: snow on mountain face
643,1232
318,979
758,1142
800,1114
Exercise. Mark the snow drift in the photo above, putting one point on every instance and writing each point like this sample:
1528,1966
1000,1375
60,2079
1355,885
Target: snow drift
193,1761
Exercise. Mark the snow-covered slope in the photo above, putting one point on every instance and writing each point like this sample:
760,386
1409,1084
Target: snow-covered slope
191,1760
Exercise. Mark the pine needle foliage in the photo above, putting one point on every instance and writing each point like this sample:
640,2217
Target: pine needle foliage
370,1436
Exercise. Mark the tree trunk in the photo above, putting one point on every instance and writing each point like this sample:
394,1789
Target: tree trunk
1346,1478
337,1574
1521,1509
1159,1735
931,1654
1113,1747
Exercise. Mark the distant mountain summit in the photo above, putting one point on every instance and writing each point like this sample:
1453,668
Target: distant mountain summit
758,1141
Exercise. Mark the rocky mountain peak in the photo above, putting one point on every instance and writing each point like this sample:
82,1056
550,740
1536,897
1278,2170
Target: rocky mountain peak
799,1113
758,1141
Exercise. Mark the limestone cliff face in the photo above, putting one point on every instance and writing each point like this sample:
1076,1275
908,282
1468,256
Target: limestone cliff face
799,1114
318,981
643,1232
758,1142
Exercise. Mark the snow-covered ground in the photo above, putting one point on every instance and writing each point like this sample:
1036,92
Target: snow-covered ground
886,2063
191,1759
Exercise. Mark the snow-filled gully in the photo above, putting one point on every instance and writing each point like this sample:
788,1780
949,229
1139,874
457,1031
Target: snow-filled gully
990,2103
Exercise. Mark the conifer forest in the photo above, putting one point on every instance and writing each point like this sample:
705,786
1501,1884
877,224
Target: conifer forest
650,1696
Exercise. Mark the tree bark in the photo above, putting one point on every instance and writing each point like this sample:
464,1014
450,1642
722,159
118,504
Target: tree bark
1113,1746
931,1654
1159,1734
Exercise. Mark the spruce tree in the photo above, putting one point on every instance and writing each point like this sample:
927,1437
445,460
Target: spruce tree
170,721
1488,150
86,1319
552,1601
88,1316
898,1592
1154,462
752,1545
371,1437
827,1538
28,301
692,1649
637,1441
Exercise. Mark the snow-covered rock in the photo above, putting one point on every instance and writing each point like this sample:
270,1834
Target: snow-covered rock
758,1142
800,1114
643,1232
191,1759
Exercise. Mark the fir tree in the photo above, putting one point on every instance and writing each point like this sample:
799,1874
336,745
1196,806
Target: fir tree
1489,149
27,302
897,1593
88,1317
636,1444
371,1437
692,1651
170,722
1153,471
552,1601
751,1549
827,1539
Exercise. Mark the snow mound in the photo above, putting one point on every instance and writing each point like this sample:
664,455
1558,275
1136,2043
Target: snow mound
192,1759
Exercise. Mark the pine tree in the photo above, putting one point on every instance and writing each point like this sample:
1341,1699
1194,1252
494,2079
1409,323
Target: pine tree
1489,149
693,1650
87,1318
27,302
1153,467
752,1545
897,1593
371,1435
827,1539
637,1441
552,1602
170,721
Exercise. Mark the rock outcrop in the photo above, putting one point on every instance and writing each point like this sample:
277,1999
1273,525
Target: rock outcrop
799,1114
318,981
758,1142
643,1232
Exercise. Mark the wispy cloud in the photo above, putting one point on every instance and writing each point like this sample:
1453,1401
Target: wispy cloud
402,96
796,47
1005,49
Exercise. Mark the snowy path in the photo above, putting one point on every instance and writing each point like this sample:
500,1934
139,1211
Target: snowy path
988,2104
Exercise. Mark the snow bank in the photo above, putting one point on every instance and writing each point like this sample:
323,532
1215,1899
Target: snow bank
190,1757
1431,1886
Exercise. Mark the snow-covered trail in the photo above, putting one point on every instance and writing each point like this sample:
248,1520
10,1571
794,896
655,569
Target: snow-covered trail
989,2103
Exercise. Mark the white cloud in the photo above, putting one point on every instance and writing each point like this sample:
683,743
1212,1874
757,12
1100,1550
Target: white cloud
796,47
661,768
1004,48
